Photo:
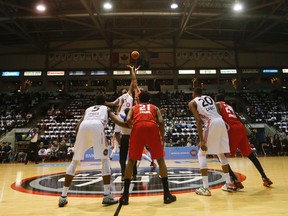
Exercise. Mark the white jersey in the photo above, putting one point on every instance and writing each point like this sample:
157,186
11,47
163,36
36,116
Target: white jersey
98,112
206,108
128,102
91,133
215,133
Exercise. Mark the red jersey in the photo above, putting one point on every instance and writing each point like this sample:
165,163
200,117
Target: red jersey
145,132
228,114
144,112
236,131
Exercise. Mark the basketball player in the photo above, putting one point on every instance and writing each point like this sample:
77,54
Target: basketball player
90,133
213,140
148,129
124,146
238,140
127,97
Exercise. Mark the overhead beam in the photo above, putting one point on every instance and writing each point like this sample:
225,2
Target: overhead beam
95,21
186,19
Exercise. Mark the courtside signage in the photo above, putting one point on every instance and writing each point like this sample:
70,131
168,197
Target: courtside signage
228,71
124,72
10,73
207,71
32,73
270,70
55,73
186,72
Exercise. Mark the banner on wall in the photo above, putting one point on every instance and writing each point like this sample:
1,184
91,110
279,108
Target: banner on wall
79,56
170,153
205,55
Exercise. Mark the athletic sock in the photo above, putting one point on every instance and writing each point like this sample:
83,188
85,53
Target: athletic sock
126,187
107,189
165,186
205,181
64,191
257,164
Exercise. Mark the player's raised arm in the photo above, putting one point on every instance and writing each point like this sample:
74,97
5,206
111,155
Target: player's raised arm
113,103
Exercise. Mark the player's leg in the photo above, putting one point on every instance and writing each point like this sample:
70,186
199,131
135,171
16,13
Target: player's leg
67,182
168,197
237,184
203,190
108,199
266,181
128,173
225,168
124,145
156,151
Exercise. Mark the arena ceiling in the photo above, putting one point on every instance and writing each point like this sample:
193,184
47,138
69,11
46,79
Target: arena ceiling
75,20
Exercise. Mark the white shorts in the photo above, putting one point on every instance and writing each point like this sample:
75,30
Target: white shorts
216,137
91,134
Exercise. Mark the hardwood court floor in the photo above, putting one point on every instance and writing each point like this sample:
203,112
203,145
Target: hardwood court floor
254,199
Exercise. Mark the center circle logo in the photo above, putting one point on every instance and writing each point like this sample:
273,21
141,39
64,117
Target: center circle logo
89,183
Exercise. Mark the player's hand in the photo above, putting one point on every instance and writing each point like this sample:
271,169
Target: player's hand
131,67
203,146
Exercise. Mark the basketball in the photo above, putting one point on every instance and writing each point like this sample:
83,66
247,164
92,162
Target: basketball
135,55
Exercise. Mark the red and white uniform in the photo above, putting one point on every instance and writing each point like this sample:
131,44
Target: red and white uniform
236,131
145,131
91,133
215,132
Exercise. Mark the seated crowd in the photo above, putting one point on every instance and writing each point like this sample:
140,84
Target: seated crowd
59,123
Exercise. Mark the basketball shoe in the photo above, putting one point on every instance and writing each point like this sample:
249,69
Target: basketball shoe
203,191
267,182
169,199
238,186
62,201
124,200
228,187
109,200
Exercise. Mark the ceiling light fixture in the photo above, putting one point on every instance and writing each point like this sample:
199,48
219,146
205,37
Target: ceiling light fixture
174,5
41,7
237,6
107,5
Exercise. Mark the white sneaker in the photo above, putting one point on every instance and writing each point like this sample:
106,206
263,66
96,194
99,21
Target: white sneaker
203,191
62,201
109,200
228,187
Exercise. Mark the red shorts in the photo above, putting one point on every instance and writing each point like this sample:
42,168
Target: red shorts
238,140
145,133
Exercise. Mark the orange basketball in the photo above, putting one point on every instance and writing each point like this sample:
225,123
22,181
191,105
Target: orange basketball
135,55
